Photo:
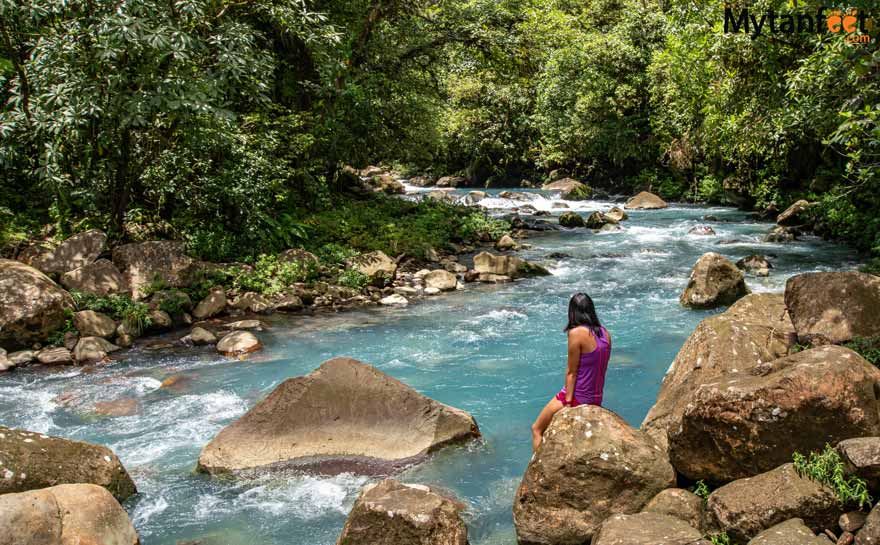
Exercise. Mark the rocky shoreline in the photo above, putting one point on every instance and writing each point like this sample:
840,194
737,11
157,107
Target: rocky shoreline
727,455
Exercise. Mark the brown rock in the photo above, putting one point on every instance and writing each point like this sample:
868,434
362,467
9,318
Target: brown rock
751,332
790,532
91,349
441,279
645,529
714,282
94,324
375,265
751,421
870,532
617,214
702,230
590,466
99,278
852,521
213,304
780,234
238,343
298,255
55,356
861,457
678,503
32,306
252,302
142,263
33,460
392,512
344,416
569,189
834,307
506,243
68,514
505,265
118,407
645,201
746,507
452,181
795,215
754,263
78,251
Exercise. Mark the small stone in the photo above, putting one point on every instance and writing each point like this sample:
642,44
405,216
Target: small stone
432,291
394,300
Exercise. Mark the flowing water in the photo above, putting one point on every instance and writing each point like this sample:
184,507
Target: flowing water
495,351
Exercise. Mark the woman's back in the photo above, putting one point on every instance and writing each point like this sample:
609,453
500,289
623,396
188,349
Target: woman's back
591,371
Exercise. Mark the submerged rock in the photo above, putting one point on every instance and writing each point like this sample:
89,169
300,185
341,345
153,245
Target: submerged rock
572,220
77,251
344,416
591,465
751,332
780,234
32,306
645,201
645,529
757,264
702,230
99,278
714,282
751,421
68,514
238,343
617,214
392,512
834,307
747,507
32,460
790,532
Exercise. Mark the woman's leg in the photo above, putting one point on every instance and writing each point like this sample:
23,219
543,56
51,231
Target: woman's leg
543,420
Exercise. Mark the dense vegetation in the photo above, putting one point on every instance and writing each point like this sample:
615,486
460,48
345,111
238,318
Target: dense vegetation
227,123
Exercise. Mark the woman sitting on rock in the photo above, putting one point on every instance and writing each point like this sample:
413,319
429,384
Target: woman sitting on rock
589,348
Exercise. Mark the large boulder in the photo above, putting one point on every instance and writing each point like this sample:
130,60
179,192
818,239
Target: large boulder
441,279
591,465
32,306
795,215
834,307
679,503
390,512
78,251
67,514
142,263
569,189
377,266
344,416
645,529
790,532
714,282
645,201
94,324
751,421
751,332
506,265
238,343
571,220
33,460
213,304
98,278
747,507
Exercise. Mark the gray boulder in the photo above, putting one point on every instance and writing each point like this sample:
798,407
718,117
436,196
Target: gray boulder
32,306
142,263
714,282
77,251
98,278
94,324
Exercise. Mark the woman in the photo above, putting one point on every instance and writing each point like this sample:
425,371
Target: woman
589,348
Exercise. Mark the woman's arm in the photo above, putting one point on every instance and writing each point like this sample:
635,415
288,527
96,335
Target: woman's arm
574,362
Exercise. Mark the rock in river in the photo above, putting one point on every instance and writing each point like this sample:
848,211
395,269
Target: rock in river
441,279
67,514
238,343
834,307
32,460
569,189
645,201
390,512
714,282
572,220
32,306
344,416
213,304
506,265
751,421
590,466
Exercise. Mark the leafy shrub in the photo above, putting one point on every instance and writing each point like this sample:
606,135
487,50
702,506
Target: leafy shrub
334,253
135,315
872,267
868,348
57,338
271,275
205,280
353,279
701,489
719,539
826,467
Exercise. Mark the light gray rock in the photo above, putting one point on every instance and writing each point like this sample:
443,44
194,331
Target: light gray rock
94,324
238,343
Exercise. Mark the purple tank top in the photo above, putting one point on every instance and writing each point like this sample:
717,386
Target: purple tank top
590,381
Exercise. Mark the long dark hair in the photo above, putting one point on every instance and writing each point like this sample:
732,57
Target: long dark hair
582,312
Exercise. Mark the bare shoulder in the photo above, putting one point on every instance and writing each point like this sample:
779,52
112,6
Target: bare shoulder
579,334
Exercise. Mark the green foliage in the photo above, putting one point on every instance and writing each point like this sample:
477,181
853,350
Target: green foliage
868,348
57,337
701,489
353,279
271,275
134,314
872,267
334,253
827,468
719,539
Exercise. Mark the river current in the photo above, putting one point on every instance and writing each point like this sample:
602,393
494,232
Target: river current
497,351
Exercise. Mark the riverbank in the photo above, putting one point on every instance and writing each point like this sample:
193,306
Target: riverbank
493,350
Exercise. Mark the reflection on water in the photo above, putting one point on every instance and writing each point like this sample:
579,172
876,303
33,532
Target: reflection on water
496,351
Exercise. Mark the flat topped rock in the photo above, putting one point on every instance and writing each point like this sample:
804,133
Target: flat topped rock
344,416
400,513
645,201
